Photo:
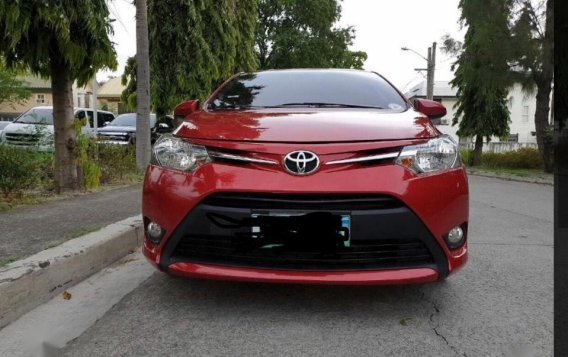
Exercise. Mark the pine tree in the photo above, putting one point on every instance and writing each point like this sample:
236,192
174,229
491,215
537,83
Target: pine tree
533,65
201,44
482,75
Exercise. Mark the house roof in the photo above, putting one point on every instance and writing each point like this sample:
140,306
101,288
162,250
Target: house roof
35,82
111,89
441,89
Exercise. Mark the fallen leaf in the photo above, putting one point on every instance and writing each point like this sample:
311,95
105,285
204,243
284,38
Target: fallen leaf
66,295
404,322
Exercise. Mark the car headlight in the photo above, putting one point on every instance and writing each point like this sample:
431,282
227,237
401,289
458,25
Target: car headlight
437,154
177,154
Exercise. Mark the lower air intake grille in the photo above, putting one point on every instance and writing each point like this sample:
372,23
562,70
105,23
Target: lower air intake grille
367,255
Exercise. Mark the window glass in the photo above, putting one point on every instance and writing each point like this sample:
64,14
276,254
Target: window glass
91,116
129,119
308,88
104,117
525,115
36,116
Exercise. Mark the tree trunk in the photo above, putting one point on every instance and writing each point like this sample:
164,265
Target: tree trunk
542,126
544,85
143,145
65,137
477,150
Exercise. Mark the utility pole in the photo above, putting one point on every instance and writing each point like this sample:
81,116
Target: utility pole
430,68
95,114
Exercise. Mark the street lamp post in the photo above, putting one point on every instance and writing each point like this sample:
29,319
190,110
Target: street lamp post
431,67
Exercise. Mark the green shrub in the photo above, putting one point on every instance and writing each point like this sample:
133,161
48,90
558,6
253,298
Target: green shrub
91,175
466,156
46,170
23,169
20,169
116,161
526,158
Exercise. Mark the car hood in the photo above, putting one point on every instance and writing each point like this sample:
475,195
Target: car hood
22,128
117,129
322,125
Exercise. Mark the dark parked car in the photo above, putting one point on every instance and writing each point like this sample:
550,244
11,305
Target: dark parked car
307,176
122,130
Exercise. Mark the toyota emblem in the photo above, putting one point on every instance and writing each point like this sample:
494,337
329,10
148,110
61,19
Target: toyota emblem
301,162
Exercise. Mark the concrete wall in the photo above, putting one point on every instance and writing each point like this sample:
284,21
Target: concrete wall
498,147
521,106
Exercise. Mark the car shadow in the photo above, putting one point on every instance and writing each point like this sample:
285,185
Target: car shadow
258,298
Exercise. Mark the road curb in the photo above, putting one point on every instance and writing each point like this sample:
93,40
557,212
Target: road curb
512,178
27,283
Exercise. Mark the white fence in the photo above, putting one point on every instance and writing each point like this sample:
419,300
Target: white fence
498,146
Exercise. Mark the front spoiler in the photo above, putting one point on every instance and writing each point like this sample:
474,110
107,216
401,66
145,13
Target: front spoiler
381,277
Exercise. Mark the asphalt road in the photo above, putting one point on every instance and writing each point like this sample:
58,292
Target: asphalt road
500,304
28,230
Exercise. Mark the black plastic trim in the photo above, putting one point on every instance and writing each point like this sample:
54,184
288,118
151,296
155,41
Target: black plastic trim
373,217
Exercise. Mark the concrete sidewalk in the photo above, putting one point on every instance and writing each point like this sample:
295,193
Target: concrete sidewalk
29,230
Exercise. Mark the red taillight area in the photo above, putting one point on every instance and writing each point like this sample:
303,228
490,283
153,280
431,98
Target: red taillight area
387,277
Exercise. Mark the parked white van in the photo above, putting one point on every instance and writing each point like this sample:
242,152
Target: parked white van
34,128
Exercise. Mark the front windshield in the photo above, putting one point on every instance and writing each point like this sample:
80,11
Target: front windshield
36,116
130,120
308,88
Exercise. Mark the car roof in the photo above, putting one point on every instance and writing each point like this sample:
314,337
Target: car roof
316,70
348,72
134,113
74,109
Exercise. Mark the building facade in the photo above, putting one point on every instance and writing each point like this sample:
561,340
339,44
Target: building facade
108,96
41,95
521,106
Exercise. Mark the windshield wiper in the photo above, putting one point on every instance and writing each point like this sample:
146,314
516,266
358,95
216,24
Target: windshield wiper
323,105
235,107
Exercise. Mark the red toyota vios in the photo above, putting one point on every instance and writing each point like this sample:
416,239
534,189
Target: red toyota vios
307,176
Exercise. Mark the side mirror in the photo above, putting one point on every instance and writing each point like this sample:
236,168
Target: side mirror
106,123
186,108
183,110
430,108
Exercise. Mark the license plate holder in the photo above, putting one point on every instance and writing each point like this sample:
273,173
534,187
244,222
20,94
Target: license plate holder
345,222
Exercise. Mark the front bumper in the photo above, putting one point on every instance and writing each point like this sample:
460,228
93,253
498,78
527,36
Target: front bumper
430,207
384,277
113,142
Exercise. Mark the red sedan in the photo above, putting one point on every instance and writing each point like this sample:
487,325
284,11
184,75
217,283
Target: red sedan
307,176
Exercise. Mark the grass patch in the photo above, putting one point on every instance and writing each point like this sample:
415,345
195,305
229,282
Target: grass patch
79,232
27,199
4,262
74,234
530,173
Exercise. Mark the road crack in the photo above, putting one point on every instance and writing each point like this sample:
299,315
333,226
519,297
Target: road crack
435,325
